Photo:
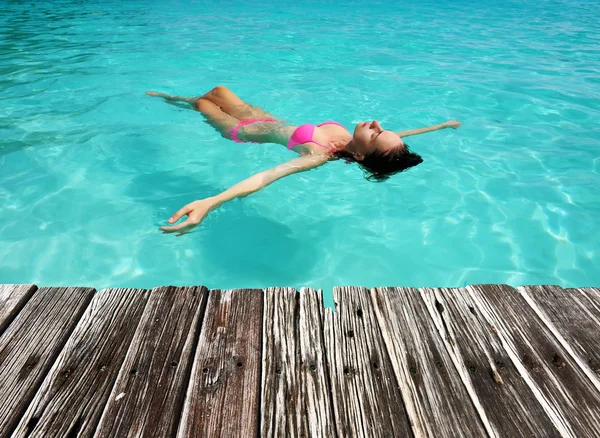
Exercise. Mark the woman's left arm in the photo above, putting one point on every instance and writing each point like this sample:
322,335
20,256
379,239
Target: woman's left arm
196,211
449,124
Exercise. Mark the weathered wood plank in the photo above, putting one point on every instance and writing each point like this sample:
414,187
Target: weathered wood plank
12,299
295,398
436,401
506,404
318,419
592,293
280,387
73,395
566,394
366,398
30,345
147,398
575,321
223,396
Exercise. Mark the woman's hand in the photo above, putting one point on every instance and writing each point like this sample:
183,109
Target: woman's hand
196,212
452,124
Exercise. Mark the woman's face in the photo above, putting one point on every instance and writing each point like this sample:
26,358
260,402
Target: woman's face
370,136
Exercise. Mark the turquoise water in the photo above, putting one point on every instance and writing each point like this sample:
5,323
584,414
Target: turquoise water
90,166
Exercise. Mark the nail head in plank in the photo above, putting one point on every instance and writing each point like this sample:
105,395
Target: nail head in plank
224,390
574,320
499,392
295,398
73,395
567,395
30,345
436,400
12,299
366,398
147,397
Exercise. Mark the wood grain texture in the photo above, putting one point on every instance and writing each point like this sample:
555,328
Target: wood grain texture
567,395
436,400
12,299
295,398
73,395
147,398
223,395
592,294
366,398
30,345
574,319
506,404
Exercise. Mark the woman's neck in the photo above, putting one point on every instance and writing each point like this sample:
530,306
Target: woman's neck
341,144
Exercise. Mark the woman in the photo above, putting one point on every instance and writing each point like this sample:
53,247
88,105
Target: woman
380,152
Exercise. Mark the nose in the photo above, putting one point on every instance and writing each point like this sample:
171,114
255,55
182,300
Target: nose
376,125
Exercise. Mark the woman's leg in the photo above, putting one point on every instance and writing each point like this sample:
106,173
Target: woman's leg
225,99
257,132
224,110
230,103
217,118
175,100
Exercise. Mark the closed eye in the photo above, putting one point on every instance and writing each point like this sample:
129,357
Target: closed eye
374,136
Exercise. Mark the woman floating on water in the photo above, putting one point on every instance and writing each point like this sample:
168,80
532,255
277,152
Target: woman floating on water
380,152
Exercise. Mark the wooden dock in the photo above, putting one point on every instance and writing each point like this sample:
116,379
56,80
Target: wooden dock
389,362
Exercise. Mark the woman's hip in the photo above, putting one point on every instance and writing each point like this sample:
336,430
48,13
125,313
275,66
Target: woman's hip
262,131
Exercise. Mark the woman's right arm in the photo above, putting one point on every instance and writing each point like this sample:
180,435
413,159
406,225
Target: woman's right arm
196,211
449,124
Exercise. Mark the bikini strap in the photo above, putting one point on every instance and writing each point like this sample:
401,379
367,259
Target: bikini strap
329,148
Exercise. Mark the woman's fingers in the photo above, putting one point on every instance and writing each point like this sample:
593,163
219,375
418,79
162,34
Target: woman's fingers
182,227
179,213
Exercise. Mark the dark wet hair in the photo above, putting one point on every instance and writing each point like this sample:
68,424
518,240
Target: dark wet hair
379,166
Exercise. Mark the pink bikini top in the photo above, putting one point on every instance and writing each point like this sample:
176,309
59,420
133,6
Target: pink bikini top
304,134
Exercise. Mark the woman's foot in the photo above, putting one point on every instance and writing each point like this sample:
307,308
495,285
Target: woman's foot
154,93
184,102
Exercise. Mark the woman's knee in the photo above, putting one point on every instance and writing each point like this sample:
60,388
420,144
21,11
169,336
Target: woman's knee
204,105
220,91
